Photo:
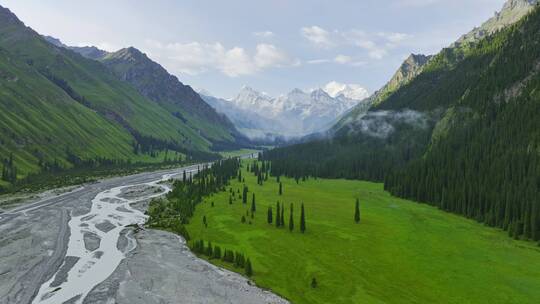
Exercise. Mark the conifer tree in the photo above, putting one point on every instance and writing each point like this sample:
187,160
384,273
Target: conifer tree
357,212
291,220
204,221
269,215
253,203
244,195
313,283
282,217
217,252
209,250
230,200
302,219
280,188
278,216
248,268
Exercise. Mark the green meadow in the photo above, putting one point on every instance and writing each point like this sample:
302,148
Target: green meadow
400,252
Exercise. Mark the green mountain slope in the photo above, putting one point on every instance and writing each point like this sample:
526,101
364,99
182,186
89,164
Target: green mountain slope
58,107
153,81
462,135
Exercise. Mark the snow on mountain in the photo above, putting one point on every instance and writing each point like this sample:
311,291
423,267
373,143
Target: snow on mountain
295,114
351,91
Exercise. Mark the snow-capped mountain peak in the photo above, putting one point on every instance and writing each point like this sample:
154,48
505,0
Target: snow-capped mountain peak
296,113
351,91
248,97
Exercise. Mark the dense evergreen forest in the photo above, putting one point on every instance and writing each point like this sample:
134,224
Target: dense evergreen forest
478,153
175,211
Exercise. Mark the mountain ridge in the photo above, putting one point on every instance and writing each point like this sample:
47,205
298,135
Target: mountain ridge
295,114
153,81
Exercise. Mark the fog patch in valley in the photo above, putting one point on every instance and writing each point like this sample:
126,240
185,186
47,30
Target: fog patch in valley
381,124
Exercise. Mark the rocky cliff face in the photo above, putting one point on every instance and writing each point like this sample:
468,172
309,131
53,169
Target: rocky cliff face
154,82
411,67
512,11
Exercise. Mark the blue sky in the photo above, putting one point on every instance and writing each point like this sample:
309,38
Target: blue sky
273,46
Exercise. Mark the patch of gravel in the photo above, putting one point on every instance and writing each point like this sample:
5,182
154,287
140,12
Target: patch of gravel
163,270
88,217
105,226
62,274
91,241
122,241
124,209
140,191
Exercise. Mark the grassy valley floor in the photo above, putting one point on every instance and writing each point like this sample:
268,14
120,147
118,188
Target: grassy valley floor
400,252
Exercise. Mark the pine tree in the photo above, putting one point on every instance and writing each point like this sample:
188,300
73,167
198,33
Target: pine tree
280,188
4,172
243,220
291,220
357,212
217,252
244,195
204,221
282,217
302,219
253,203
278,216
248,268
230,200
209,251
313,283
269,215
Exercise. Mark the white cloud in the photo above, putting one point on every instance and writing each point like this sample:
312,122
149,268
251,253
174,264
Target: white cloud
318,61
236,62
376,45
394,37
195,58
317,35
264,34
268,55
342,59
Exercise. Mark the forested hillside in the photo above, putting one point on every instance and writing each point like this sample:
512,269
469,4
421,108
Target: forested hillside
463,135
60,110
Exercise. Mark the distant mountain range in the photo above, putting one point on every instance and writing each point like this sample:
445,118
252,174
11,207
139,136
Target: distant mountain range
296,114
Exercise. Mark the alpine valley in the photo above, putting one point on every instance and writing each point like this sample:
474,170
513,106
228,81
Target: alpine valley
122,184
